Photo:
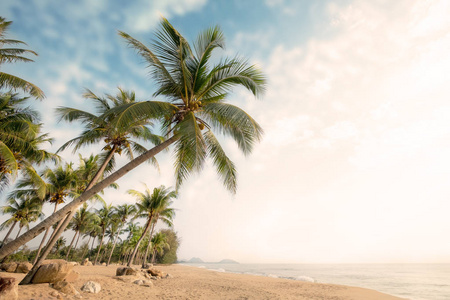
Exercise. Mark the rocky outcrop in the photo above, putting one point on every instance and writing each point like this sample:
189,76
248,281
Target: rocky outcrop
156,273
142,282
8,288
23,267
9,267
52,271
64,287
91,287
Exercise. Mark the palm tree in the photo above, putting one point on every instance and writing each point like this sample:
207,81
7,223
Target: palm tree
20,140
122,212
166,215
104,215
203,96
61,183
159,243
61,242
79,224
149,205
10,55
99,129
22,211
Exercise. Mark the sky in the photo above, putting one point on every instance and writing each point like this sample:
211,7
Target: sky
354,165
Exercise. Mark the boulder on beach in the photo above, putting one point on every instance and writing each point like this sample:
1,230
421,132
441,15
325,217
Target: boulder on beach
52,271
9,267
156,273
91,287
8,288
86,262
23,267
64,287
121,271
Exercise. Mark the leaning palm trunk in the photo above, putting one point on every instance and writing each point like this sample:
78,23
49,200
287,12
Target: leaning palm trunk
20,229
144,262
100,247
9,232
72,206
71,243
43,240
136,248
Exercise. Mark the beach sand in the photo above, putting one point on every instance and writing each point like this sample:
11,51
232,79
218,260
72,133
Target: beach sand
196,283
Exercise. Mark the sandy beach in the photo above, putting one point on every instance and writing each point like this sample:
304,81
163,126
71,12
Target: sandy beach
195,283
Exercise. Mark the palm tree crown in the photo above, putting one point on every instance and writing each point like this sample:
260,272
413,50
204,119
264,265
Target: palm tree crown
196,91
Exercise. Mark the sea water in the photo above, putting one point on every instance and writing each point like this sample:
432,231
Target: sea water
410,281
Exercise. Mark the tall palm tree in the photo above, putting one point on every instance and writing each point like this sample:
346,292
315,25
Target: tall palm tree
150,204
104,215
59,244
122,212
200,105
20,140
23,211
10,55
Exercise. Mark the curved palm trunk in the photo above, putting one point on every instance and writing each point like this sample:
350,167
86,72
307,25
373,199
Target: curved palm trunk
100,246
144,262
112,250
71,243
72,206
43,239
9,232
76,243
147,226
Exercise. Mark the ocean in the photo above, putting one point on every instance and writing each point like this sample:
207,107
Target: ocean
410,281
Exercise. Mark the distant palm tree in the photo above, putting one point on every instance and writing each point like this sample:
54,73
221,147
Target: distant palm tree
122,212
159,243
150,204
104,215
23,211
10,55
61,242
79,223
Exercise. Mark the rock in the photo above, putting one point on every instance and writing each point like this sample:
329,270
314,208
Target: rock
72,276
9,267
64,287
143,283
53,271
74,263
104,264
8,288
125,271
88,264
91,287
54,294
157,273
23,267
85,261
168,276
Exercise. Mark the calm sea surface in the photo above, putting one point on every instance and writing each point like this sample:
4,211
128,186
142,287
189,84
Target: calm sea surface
410,281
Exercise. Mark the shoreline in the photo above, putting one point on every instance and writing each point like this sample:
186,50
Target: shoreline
189,282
